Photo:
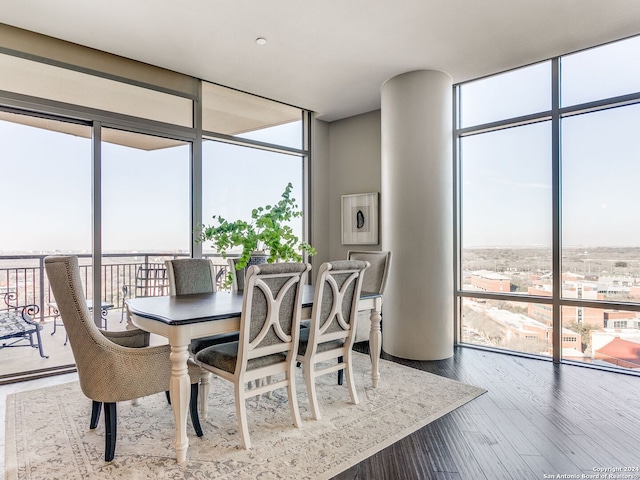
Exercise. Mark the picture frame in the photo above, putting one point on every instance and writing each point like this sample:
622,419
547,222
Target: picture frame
360,225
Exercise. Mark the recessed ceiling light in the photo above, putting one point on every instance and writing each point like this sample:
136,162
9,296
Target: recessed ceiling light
261,41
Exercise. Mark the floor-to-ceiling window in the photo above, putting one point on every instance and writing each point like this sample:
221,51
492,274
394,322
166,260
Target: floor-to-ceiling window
45,185
237,179
252,149
549,249
122,172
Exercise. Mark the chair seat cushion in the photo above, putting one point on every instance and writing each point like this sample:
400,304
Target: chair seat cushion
198,344
12,325
322,347
224,357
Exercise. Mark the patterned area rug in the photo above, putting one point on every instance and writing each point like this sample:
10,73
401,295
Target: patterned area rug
48,432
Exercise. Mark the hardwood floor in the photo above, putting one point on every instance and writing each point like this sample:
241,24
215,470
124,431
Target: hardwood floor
536,418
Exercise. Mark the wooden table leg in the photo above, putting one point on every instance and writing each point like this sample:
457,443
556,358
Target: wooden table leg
375,342
205,378
180,391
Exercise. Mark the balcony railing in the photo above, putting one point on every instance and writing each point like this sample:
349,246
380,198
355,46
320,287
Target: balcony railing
25,276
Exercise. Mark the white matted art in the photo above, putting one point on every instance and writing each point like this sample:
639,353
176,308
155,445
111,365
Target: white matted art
360,219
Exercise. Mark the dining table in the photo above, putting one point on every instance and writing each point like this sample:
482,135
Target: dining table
181,318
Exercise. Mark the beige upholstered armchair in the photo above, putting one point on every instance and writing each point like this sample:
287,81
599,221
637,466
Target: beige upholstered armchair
269,331
112,366
333,325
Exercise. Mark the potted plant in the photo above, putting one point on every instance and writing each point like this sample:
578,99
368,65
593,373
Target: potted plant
268,233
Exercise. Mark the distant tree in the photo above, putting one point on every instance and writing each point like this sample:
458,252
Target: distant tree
527,345
585,333
620,264
483,324
511,307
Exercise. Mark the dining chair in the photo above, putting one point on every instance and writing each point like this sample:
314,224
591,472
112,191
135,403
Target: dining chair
112,366
238,275
375,281
188,276
331,333
268,343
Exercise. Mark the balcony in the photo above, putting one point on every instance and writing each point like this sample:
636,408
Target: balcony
24,277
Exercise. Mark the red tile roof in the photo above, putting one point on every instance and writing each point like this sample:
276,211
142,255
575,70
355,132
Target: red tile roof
620,349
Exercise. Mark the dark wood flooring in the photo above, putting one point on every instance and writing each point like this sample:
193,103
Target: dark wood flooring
537,418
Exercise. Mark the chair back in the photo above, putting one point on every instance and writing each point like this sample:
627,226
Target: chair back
90,348
375,278
191,275
335,306
271,310
238,276
151,280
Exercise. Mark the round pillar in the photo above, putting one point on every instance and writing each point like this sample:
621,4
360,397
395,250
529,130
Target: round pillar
417,214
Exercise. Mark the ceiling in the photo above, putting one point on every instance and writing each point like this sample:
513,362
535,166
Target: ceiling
329,56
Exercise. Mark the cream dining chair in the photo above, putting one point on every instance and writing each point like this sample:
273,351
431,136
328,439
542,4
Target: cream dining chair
269,331
375,281
238,275
188,276
331,333
112,366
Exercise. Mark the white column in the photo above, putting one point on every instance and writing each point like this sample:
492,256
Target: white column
417,215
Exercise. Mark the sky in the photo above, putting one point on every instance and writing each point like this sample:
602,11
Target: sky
46,184
506,175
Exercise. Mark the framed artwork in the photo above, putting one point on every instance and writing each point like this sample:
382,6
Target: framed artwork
360,219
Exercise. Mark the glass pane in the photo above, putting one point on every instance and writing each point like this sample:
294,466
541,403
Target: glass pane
45,185
600,171
236,179
231,112
605,336
508,325
602,72
45,182
506,206
289,134
146,215
145,196
519,92
63,85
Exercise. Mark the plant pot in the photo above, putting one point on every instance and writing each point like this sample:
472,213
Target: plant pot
257,258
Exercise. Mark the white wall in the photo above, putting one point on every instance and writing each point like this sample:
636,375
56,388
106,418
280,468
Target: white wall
354,167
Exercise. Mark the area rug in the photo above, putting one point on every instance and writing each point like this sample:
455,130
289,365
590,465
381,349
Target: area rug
48,436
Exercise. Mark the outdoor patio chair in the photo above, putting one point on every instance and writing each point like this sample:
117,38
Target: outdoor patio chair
110,372
151,280
17,324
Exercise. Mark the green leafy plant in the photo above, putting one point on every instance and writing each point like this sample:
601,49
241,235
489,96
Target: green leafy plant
269,232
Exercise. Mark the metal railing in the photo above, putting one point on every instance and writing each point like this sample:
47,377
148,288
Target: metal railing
24,275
